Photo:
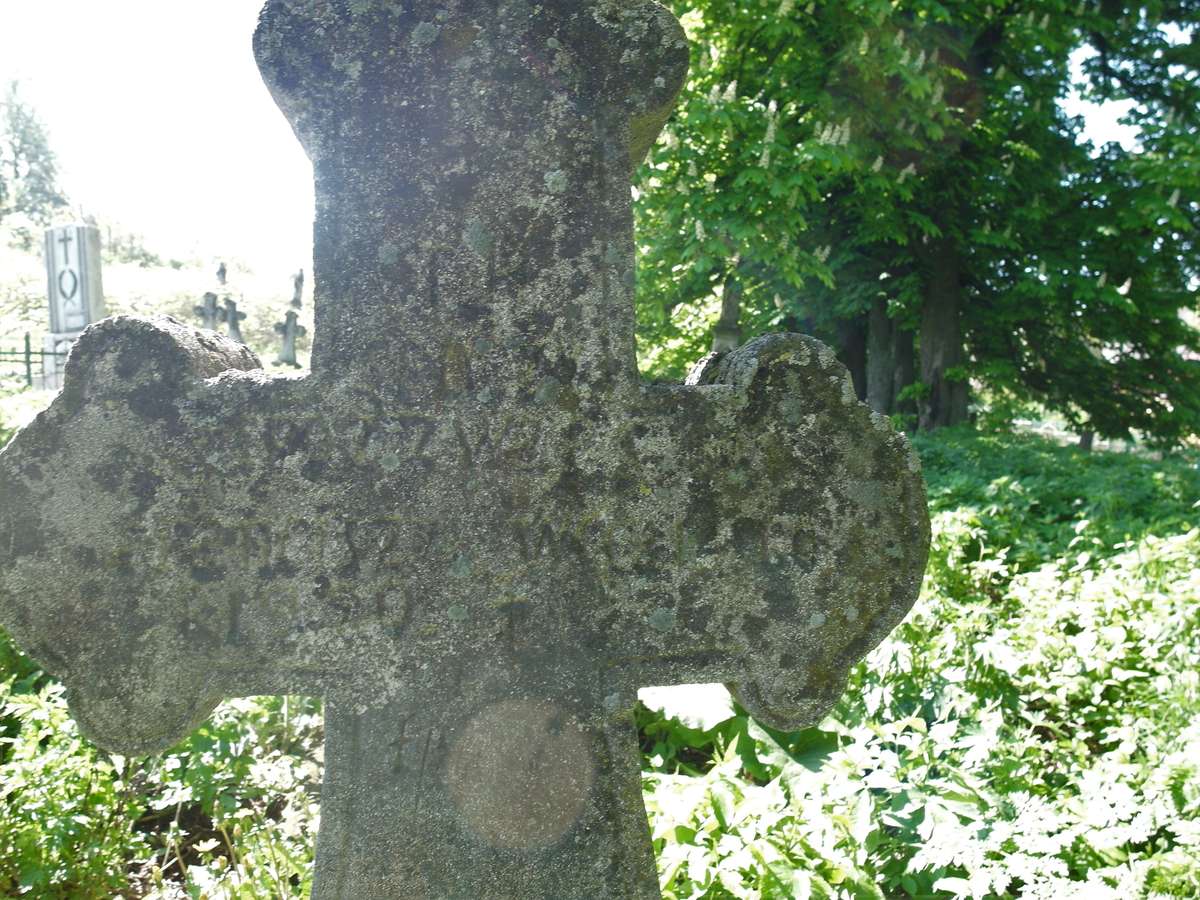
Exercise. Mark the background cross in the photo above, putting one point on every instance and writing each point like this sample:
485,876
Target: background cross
209,312
495,532
66,239
233,318
288,330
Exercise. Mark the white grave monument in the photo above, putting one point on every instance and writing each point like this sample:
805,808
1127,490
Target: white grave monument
75,289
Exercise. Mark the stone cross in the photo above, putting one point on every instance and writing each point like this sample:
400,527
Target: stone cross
288,331
209,311
496,533
298,290
233,319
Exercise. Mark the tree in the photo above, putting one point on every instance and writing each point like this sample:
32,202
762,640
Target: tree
901,180
28,168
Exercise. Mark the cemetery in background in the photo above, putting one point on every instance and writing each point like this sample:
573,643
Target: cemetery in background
269,311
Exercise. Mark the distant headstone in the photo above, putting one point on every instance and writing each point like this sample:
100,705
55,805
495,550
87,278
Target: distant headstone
298,290
222,274
209,311
75,288
472,529
288,330
233,319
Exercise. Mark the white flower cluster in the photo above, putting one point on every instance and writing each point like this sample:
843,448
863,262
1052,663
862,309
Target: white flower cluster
823,253
909,171
765,159
786,7
835,135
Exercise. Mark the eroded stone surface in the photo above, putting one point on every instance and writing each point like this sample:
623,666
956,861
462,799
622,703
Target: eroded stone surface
491,532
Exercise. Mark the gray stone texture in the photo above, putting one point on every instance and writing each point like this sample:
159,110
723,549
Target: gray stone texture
494,532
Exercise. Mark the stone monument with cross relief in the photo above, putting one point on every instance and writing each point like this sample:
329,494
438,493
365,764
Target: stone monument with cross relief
75,288
495,532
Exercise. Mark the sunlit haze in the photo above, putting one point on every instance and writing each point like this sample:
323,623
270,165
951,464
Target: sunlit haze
161,123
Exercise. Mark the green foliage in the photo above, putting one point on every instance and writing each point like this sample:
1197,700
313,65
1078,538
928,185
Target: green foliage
122,246
1039,500
231,812
29,188
828,158
65,824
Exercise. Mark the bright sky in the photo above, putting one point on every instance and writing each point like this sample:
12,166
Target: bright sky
162,124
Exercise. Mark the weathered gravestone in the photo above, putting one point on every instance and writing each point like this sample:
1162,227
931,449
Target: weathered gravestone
233,319
495,534
209,311
75,285
288,330
75,289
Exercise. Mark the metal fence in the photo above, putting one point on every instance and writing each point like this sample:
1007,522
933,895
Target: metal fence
36,368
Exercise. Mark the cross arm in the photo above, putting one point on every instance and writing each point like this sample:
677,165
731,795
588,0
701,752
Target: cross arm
95,522
792,540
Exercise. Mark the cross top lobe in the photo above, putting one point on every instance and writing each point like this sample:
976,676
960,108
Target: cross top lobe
472,530
480,150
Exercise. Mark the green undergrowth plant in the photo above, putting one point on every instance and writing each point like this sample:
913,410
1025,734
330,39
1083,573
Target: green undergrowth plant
229,813
1028,732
